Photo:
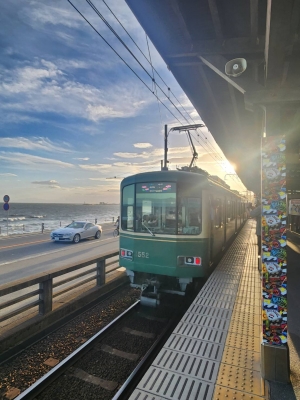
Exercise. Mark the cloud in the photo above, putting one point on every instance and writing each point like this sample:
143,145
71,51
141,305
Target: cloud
101,111
8,174
33,143
142,145
82,159
131,155
42,87
50,182
155,153
18,160
95,167
113,178
40,14
17,118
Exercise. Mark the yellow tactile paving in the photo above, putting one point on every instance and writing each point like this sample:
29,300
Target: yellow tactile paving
237,340
247,317
226,393
242,358
244,329
242,379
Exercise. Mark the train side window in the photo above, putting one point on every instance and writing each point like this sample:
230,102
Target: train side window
127,208
189,216
218,207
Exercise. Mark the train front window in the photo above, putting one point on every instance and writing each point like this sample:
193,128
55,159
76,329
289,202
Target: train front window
156,207
127,208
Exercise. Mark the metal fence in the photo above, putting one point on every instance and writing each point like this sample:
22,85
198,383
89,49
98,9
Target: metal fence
43,288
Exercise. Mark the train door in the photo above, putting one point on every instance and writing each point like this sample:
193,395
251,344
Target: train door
235,214
211,228
218,227
225,218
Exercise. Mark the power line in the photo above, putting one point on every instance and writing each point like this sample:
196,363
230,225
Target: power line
217,161
149,61
212,148
128,49
115,33
69,1
154,83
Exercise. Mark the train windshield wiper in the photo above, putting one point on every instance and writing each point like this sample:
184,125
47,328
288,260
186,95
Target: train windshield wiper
151,233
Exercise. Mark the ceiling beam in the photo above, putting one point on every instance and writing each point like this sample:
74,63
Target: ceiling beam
173,4
293,37
216,19
212,97
278,26
186,63
238,46
235,107
254,20
268,96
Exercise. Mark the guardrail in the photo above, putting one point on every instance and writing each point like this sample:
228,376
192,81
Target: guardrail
10,229
46,284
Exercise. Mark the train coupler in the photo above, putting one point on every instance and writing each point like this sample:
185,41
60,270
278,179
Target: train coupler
150,296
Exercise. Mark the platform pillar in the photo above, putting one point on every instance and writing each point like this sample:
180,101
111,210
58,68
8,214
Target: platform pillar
274,349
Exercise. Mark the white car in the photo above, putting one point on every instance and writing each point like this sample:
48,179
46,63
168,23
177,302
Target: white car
76,231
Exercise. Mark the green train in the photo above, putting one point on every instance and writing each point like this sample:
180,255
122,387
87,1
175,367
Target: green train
173,226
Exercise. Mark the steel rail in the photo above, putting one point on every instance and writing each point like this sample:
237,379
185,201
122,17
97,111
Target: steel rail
47,379
135,376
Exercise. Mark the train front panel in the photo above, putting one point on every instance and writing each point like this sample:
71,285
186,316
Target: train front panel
162,231
168,256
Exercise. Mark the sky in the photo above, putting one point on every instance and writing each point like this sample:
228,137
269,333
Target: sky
74,118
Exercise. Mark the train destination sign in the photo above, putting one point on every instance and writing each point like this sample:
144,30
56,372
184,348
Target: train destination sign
156,187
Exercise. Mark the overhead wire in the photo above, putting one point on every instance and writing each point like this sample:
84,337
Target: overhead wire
133,55
98,33
153,69
150,62
153,79
206,145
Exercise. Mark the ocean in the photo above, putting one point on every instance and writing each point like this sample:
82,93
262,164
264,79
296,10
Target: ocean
28,218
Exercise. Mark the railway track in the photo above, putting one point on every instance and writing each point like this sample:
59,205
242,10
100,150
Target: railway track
106,365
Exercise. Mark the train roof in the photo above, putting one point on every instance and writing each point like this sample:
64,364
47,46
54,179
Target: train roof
206,180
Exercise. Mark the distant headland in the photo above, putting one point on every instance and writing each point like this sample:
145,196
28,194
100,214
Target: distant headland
102,203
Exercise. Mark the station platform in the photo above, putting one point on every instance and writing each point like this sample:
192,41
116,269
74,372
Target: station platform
214,352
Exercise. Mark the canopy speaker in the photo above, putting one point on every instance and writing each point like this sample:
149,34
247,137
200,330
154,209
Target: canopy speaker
235,67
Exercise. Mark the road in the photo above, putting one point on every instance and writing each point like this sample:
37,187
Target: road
25,255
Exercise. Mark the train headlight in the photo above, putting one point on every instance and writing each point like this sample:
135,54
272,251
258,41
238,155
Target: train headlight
127,254
191,261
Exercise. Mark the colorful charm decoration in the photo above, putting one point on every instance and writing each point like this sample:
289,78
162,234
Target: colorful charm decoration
274,263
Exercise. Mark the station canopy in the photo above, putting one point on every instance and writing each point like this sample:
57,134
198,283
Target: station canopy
196,38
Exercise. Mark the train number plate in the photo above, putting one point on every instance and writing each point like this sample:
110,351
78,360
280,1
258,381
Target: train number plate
142,254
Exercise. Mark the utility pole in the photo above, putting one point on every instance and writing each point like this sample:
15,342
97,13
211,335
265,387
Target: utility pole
165,167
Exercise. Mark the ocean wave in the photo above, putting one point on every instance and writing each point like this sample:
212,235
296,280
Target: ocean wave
12,219
37,216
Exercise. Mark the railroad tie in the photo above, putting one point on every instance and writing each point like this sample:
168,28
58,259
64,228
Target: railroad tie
152,318
139,333
119,353
80,374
